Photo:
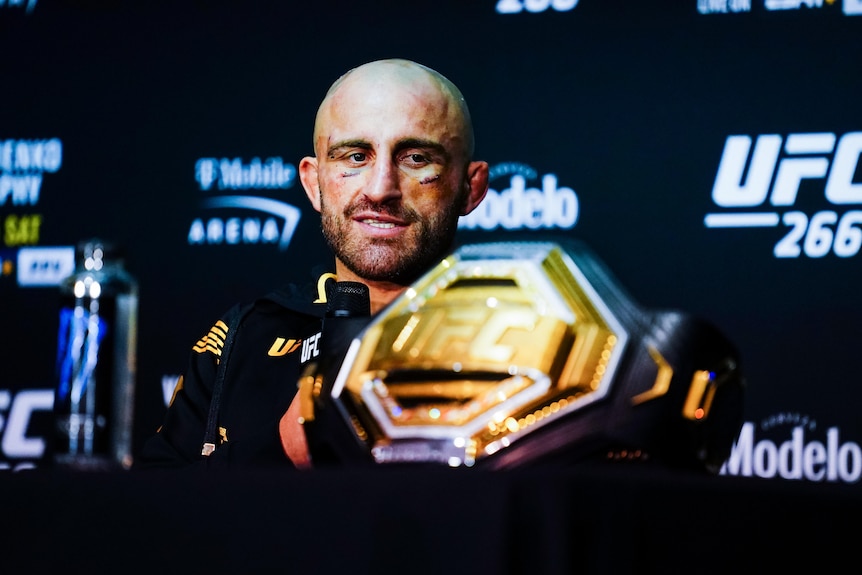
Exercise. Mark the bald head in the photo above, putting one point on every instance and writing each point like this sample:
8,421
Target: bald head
392,173
417,84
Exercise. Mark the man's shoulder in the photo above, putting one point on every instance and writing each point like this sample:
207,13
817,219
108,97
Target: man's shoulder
307,298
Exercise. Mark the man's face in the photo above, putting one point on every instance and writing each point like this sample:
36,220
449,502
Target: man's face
391,170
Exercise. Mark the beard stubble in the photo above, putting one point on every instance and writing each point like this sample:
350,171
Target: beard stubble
401,261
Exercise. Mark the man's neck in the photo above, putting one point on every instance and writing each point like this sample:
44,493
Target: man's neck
380,293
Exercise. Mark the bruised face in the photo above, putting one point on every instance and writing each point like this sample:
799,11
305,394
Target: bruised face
392,173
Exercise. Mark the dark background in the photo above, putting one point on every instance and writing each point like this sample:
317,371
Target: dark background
629,104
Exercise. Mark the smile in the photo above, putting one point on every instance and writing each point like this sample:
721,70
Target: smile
379,224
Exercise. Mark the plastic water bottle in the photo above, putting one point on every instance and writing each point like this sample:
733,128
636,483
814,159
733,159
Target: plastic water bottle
96,362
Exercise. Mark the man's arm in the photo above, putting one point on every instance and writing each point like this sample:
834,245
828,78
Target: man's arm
180,439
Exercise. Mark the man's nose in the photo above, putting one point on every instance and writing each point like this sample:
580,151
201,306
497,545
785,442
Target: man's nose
385,182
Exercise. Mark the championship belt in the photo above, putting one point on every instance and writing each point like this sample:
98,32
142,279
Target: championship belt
521,353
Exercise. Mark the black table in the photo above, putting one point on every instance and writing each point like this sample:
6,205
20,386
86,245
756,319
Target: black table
595,519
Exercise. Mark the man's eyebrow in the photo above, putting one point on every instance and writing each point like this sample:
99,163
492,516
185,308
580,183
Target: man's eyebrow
432,145
401,145
361,144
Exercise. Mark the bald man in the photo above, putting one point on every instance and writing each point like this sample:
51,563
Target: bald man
392,172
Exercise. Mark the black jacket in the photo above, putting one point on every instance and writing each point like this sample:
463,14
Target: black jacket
240,380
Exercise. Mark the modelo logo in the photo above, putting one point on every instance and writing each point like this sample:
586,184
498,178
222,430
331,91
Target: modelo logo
796,458
16,411
518,207
516,6
776,167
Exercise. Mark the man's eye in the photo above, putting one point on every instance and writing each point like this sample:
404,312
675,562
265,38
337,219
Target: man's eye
416,159
358,157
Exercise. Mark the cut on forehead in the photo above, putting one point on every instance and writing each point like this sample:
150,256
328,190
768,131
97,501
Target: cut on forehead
405,72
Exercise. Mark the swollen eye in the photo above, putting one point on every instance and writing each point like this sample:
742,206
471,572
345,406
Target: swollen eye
424,175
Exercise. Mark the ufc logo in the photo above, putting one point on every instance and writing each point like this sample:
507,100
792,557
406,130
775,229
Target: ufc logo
16,410
479,336
776,168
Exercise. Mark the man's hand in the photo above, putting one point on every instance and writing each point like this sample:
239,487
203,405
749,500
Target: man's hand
293,436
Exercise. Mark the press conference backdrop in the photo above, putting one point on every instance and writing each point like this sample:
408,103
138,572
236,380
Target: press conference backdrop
707,150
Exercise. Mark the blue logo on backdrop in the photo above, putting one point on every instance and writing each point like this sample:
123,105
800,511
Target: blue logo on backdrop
849,7
723,6
271,173
534,6
27,5
22,163
249,220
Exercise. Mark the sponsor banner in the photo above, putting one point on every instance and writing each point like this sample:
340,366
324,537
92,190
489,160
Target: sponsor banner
26,5
723,6
794,447
519,207
45,266
534,6
758,183
848,7
21,447
242,218
22,163
792,4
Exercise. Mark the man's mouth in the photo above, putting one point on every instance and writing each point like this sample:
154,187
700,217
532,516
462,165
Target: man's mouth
378,224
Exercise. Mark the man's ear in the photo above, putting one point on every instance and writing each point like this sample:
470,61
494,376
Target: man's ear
308,177
477,182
